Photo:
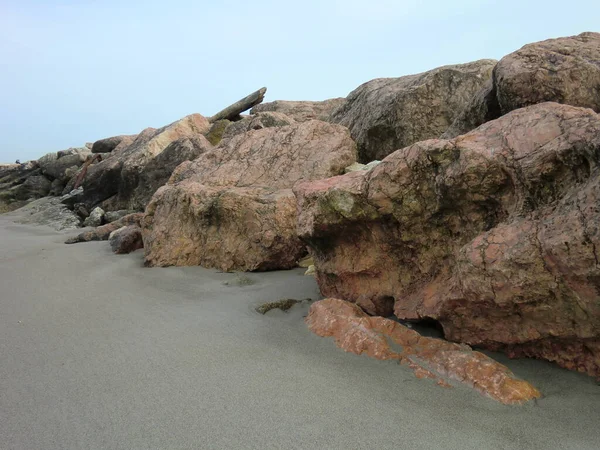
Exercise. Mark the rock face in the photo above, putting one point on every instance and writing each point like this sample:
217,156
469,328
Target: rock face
102,233
387,114
492,234
119,174
107,145
301,111
20,183
157,172
564,70
232,208
49,212
126,239
356,332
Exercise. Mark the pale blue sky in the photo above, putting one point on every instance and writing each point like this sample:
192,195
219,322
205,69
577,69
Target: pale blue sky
79,70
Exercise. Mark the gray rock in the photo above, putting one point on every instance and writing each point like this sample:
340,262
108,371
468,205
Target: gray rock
107,145
48,211
126,239
358,166
61,168
387,114
75,196
56,187
95,218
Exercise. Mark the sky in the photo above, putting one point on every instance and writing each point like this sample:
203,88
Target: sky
74,71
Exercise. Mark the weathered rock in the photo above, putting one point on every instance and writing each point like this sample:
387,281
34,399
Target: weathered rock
95,218
19,184
285,304
413,234
256,122
73,151
358,166
126,239
230,228
564,70
119,174
390,113
62,167
56,187
73,197
356,332
35,186
215,134
111,216
49,212
232,207
107,145
102,233
301,111
157,172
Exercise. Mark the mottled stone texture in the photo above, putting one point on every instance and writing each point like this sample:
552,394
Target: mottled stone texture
126,239
103,232
232,208
386,114
119,173
493,234
301,111
564,70
385,339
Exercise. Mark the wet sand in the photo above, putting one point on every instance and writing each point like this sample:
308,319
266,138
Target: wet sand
98,352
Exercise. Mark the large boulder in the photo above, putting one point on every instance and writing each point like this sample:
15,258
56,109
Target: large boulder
492,234
564,70
107,145
232,207
301,111
386,114
385,339
119,174
20,183
158,171
58,168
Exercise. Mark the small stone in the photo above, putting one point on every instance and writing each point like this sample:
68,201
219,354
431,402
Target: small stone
95,218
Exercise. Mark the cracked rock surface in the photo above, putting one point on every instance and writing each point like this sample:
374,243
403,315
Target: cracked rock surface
493,234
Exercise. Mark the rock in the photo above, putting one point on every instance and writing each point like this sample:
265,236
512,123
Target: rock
311,270
47,159
232,208
126,239
50,212
358,166
384,339
564,70
35,186
284,304
107,145
95,218
102,233
73,151
269,119
56,187
111,216
229,228
119,174
157,172
73,197
81,210
61,168
301,111
306,262
215,134
387,114
491,234
89,145
257,122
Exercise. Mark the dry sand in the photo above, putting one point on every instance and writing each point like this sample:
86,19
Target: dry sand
98,352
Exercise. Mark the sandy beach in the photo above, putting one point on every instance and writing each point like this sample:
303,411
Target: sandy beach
98,352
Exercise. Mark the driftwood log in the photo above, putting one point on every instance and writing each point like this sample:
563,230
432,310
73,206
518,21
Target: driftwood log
233,111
